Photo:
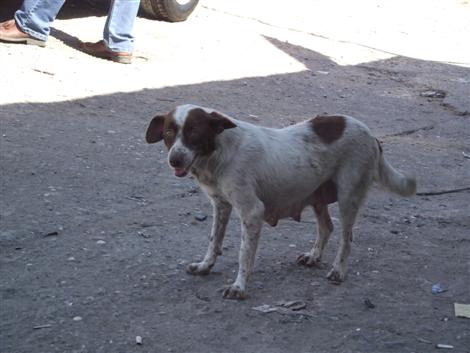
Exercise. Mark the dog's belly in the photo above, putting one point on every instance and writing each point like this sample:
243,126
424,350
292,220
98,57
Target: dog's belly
325,194
273,214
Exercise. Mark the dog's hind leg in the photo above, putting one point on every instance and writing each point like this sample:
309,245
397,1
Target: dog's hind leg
251,223
351,194
221,213
324,230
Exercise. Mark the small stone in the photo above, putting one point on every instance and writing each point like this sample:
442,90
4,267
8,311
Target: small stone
369,304
200,217
100,242
77,318
138,340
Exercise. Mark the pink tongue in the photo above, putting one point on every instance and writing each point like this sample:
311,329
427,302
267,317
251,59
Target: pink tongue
180,172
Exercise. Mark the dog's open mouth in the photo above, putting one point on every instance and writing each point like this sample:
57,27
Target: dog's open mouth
180,172
183,171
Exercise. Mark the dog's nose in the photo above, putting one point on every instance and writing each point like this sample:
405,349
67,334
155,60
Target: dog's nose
176,162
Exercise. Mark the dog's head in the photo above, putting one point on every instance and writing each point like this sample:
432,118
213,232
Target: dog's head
189,132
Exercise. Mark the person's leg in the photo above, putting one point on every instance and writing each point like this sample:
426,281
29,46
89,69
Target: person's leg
117,32
35,16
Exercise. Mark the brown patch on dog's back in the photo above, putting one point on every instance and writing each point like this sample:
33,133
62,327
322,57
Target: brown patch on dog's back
328,127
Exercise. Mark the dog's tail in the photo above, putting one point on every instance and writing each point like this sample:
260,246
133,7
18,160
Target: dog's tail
393,180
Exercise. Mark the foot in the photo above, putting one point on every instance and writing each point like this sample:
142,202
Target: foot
198,268
308,260
336,276
234,292
100,50
7,24
10,33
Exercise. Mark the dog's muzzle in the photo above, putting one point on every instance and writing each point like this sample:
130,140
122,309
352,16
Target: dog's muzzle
180,160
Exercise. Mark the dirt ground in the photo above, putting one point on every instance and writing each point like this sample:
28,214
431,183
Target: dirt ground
95,230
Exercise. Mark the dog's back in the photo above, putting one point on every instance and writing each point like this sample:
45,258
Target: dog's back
283,166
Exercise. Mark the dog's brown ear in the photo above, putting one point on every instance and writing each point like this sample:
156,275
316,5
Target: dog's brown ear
155,129
220,123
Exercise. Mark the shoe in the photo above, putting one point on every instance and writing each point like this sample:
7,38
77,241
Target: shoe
10,33
100,50
7,24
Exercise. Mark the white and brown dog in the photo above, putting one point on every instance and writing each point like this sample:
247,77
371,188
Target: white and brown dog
267,174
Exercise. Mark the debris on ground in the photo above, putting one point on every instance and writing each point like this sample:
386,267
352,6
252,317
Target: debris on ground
433,93
143,235
136,198
369,304
422,340
462,310
437,288
265,308
294,307
51,234
444,346
138,340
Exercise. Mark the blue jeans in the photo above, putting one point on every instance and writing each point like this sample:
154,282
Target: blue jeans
35,17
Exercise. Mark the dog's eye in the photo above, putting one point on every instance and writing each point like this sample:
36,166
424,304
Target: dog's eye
169,133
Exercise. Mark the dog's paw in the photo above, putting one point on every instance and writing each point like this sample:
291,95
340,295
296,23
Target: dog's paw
308,260
198,269
335,276
234,292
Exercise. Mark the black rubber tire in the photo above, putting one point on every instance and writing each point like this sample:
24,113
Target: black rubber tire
168,10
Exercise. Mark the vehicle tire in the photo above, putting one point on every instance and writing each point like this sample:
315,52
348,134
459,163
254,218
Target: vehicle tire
169,10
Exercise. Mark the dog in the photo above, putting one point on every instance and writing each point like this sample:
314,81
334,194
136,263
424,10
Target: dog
266,174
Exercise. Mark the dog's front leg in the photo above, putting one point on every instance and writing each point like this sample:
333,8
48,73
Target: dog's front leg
251,223
221,213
